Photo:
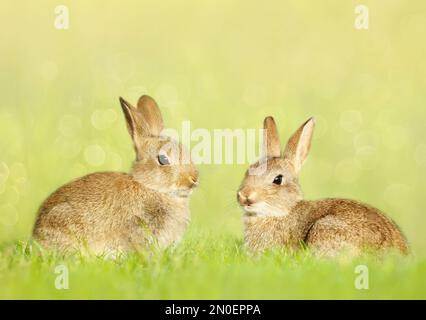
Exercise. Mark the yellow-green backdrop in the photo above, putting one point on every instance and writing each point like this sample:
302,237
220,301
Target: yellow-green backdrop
219,64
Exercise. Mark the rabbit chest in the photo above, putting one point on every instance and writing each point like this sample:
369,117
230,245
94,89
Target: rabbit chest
166,219
263,233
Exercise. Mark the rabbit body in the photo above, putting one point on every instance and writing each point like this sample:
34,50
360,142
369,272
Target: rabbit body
328,227
110,212
276,215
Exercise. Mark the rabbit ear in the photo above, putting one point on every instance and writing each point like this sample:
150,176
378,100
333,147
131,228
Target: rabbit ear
130,115
152,121
298,145
133,122
272,144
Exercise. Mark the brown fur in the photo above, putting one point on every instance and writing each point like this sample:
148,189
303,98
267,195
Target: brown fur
277,216
328,227
109,212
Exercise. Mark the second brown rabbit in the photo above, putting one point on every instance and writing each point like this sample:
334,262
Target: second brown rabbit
276,215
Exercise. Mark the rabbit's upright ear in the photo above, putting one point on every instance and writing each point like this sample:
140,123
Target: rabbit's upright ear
133,122
151,116
298,145
143,121
130,115
272,144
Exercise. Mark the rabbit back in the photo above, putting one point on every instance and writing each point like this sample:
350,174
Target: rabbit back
352,226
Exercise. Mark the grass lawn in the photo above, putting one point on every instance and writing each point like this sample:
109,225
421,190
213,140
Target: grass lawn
205,267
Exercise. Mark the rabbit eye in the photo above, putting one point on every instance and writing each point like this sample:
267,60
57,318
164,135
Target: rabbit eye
163,160
278,179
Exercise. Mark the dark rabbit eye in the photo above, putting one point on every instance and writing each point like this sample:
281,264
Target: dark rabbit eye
163,160
278,179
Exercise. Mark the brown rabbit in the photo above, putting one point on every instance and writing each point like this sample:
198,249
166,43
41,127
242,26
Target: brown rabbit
111,212
277,216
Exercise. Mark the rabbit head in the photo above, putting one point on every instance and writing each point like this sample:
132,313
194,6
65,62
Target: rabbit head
161,164
270,186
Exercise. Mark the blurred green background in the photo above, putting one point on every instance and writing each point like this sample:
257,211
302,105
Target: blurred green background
220,64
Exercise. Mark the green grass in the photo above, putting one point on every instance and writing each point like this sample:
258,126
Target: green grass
206,267
220,64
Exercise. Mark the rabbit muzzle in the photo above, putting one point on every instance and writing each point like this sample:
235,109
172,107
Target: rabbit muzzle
246,197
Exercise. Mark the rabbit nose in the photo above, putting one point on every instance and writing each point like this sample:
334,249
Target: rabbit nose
247,197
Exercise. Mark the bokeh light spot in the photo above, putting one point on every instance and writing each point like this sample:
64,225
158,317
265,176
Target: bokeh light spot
68,147
103,119
116,161
12,195
69,125
366,157
366,139
4,174
17,171
94,155
351,120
